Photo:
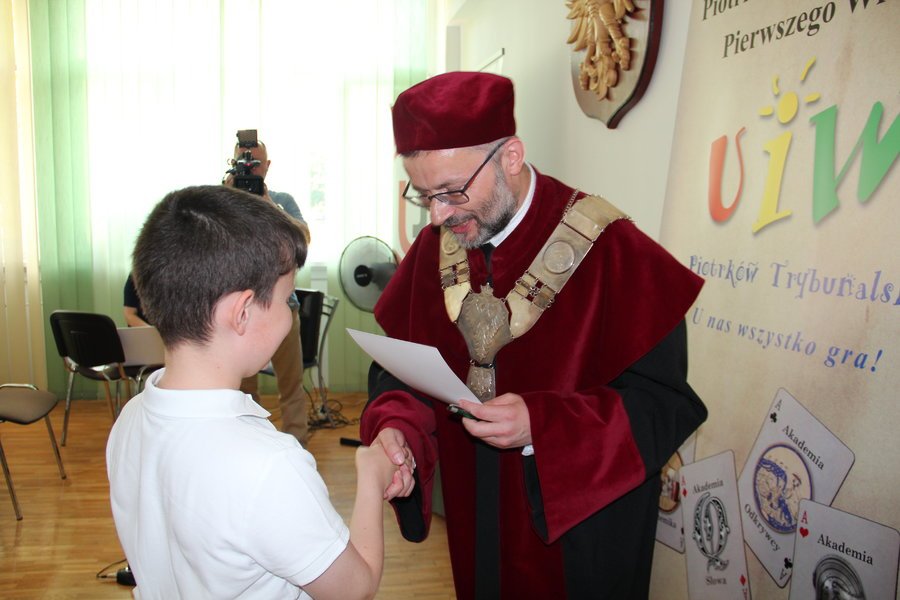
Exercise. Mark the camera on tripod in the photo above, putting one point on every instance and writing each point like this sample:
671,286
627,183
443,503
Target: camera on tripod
242,166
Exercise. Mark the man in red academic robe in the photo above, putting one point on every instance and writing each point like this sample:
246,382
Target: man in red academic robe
552,489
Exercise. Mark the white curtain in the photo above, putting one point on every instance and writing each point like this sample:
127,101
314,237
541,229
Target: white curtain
22,356
163,86
169,84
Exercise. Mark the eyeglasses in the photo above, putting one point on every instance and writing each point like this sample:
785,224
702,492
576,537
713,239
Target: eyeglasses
451,197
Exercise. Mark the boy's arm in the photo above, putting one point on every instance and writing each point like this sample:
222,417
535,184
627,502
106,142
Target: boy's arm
356,573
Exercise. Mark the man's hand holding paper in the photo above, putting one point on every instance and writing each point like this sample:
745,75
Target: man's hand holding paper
502,422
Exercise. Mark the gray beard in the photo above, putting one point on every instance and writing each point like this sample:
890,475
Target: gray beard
494,217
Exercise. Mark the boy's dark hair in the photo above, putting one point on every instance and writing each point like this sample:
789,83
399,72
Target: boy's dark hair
200,243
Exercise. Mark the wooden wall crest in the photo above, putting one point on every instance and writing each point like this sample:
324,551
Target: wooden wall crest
614,52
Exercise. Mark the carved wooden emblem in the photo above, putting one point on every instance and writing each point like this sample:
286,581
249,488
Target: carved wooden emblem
614,52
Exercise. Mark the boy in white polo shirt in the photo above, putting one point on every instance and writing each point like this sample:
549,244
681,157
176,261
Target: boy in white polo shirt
209,499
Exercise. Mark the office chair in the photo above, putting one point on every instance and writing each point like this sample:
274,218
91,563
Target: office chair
23,404
89,345
314,307
144,353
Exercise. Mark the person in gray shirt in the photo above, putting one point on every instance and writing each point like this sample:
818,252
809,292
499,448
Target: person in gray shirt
287,362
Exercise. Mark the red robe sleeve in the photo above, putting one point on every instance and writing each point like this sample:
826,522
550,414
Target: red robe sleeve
594,446
609,430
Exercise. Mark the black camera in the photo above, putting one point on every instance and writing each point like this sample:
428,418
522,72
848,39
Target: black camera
242,166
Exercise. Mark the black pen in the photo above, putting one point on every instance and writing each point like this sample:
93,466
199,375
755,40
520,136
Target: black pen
456,409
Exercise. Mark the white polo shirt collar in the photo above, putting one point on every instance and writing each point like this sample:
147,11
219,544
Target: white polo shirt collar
203,404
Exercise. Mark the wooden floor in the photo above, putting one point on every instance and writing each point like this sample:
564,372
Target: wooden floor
67,535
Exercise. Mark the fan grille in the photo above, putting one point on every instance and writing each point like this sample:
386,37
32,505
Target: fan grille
366,265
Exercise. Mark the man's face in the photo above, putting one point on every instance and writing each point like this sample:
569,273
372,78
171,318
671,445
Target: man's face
491,203
258,153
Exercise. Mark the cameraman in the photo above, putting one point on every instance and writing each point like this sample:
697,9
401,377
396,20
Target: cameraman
287,362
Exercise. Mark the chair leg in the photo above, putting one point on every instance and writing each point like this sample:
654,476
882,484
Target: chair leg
9,483
62,471
127,380
68,406
323,392
109,400
323,415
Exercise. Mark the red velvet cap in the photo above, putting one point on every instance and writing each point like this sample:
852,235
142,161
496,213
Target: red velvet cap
454,110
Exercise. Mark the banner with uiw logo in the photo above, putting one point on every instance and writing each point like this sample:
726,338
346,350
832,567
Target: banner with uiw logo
784,195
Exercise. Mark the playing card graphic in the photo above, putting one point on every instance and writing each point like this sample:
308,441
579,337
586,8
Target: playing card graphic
669,527
841,555
714,548
795,458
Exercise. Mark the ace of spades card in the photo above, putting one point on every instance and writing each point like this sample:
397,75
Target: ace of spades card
795,458
669,526
714,544
844,555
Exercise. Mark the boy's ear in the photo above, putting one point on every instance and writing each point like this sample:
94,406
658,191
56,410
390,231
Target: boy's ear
239,310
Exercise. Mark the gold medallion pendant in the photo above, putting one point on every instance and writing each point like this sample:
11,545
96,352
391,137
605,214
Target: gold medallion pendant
484,324
488,323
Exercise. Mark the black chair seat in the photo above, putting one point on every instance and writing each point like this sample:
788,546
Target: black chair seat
141,371
24,406
109,372
89,345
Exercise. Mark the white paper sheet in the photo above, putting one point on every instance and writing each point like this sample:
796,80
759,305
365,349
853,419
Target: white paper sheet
418,366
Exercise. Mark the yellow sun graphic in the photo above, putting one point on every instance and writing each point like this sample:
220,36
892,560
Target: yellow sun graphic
787,106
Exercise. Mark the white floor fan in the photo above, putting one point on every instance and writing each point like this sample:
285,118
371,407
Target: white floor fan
366,266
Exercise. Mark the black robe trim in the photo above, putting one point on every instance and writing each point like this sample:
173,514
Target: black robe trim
487,522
